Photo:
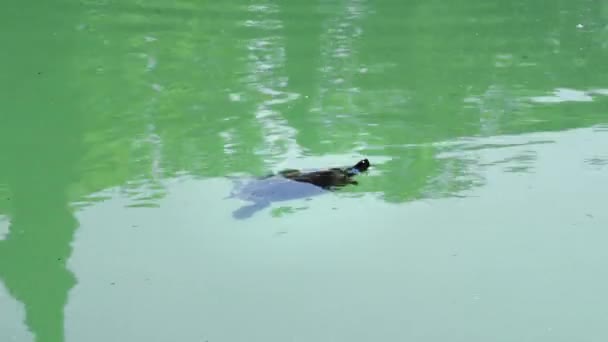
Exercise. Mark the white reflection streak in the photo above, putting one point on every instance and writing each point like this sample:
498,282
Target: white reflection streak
150,137
266,56
156,142
496,102
569,95
4,224
149,185
338,63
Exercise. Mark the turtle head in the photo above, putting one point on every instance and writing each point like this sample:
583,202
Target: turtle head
361,166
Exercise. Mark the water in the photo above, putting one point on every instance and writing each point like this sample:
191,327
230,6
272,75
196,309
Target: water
482,218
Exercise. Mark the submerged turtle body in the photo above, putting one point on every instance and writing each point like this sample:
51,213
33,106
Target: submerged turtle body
291,185
263,192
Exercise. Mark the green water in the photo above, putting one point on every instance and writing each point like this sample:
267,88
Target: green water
482,219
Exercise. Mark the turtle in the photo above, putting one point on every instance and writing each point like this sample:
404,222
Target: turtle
292,184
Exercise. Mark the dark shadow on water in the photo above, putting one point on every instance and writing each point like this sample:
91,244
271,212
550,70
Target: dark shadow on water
248,211
259,193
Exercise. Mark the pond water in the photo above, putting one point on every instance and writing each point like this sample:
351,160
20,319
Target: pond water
123,126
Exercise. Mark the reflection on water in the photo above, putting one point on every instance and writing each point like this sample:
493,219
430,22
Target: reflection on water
4,224
494,106
41,140
570,95
266,83
334,102
255,272
597,162
444,99
34,254
12,325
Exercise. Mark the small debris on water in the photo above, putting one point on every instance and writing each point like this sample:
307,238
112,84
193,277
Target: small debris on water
579,26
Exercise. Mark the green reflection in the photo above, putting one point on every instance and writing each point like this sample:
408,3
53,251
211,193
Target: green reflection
33,257
234,88
204,88
39,150
40,144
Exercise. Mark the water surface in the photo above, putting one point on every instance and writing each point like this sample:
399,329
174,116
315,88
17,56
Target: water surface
481,220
